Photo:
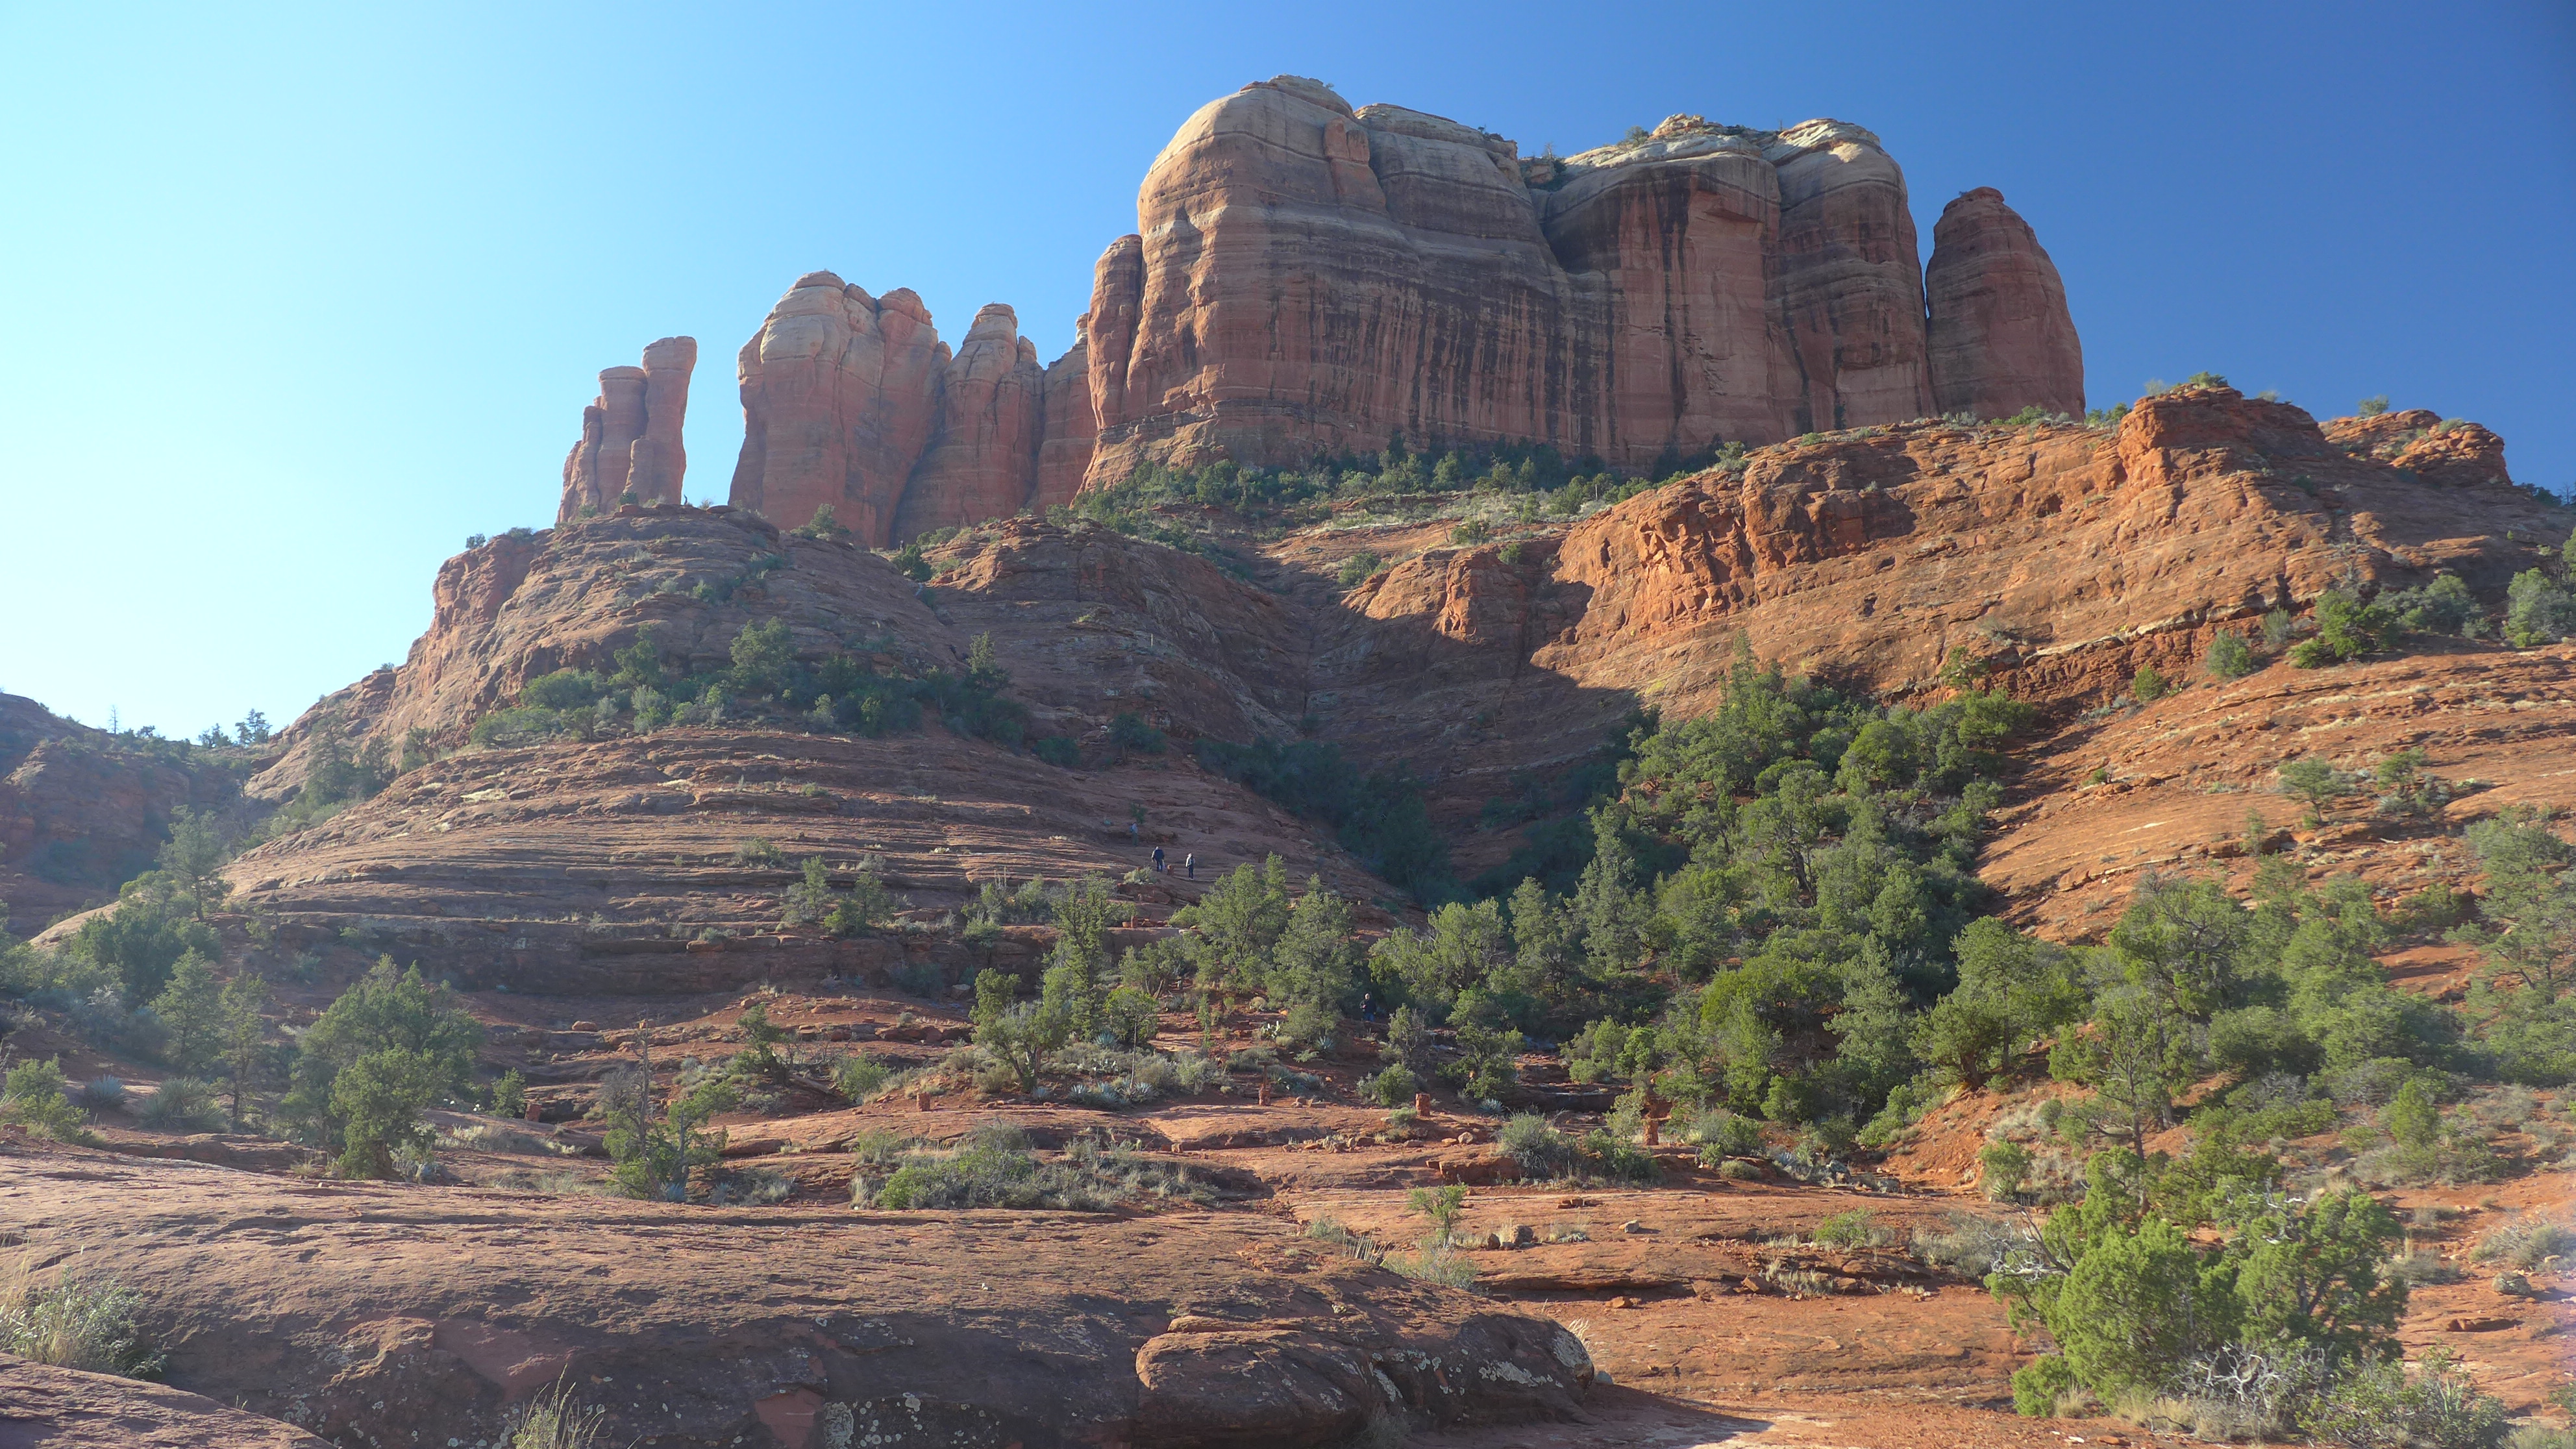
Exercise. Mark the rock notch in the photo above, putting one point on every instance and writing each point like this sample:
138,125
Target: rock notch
630,436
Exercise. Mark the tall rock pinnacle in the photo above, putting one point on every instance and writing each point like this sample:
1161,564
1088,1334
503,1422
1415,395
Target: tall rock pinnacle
630,437
2001,336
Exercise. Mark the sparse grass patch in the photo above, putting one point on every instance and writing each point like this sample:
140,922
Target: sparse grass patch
74,1323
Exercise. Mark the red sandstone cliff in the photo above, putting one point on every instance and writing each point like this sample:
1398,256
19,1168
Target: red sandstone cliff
1306,277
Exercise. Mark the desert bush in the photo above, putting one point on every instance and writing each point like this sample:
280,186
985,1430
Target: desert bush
1538,1150
33,1097
2381,1406
1355,569
1434,1263
2526,1242
995,1167
2229,656
1394,1086
1855,1229
74,1323
2149,684
1722,1134
2006,1169
181,1104
100,1094
859,1076
2537,610
1969,1244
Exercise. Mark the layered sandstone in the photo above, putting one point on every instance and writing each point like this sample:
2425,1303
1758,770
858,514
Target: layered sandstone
630,448
853,402
2001,339
1309,278
83,810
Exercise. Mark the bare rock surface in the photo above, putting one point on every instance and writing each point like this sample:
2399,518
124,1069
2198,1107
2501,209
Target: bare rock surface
66,1409
385,1311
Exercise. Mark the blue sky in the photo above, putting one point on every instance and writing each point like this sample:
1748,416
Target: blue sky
291,303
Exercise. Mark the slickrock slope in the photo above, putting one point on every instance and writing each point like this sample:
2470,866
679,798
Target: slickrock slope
630,437
383,1311
2000,338
66,1409
2179,777
852,402
1310,278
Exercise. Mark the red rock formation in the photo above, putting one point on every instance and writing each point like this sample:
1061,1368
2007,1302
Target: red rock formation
630,437
2001,338
1306,277
983,458
2454,453
1064,446
853,402
840,393
1849,282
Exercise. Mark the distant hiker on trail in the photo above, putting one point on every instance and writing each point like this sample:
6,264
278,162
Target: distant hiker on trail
1190,863
1131,830
1158,859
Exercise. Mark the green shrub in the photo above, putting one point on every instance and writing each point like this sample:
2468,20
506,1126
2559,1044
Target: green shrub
2381,1407
2371,407
859,1076
1395,1086
1356,569
2537,610
1855,1229
2229,656
1722,1134
1059,751
33,1097
2444,606
1128,731
2006,1168
1540,1152
409,1043
995,1167
2148,685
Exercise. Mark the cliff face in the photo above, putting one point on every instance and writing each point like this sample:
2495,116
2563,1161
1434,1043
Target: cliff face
1306,277
853,402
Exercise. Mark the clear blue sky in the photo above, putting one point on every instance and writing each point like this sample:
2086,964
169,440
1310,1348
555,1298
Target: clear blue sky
290,304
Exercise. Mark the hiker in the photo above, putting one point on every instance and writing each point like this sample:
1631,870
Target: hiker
1131,831
1190,863
1158,859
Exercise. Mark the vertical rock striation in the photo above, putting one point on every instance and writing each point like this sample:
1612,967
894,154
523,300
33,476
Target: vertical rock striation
630,437
852,402
2001,339
1306,277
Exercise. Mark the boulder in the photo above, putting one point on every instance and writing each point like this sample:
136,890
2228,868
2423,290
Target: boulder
2001,337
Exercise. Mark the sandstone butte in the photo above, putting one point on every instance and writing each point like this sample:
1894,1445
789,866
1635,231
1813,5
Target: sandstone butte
1307,279
577,882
